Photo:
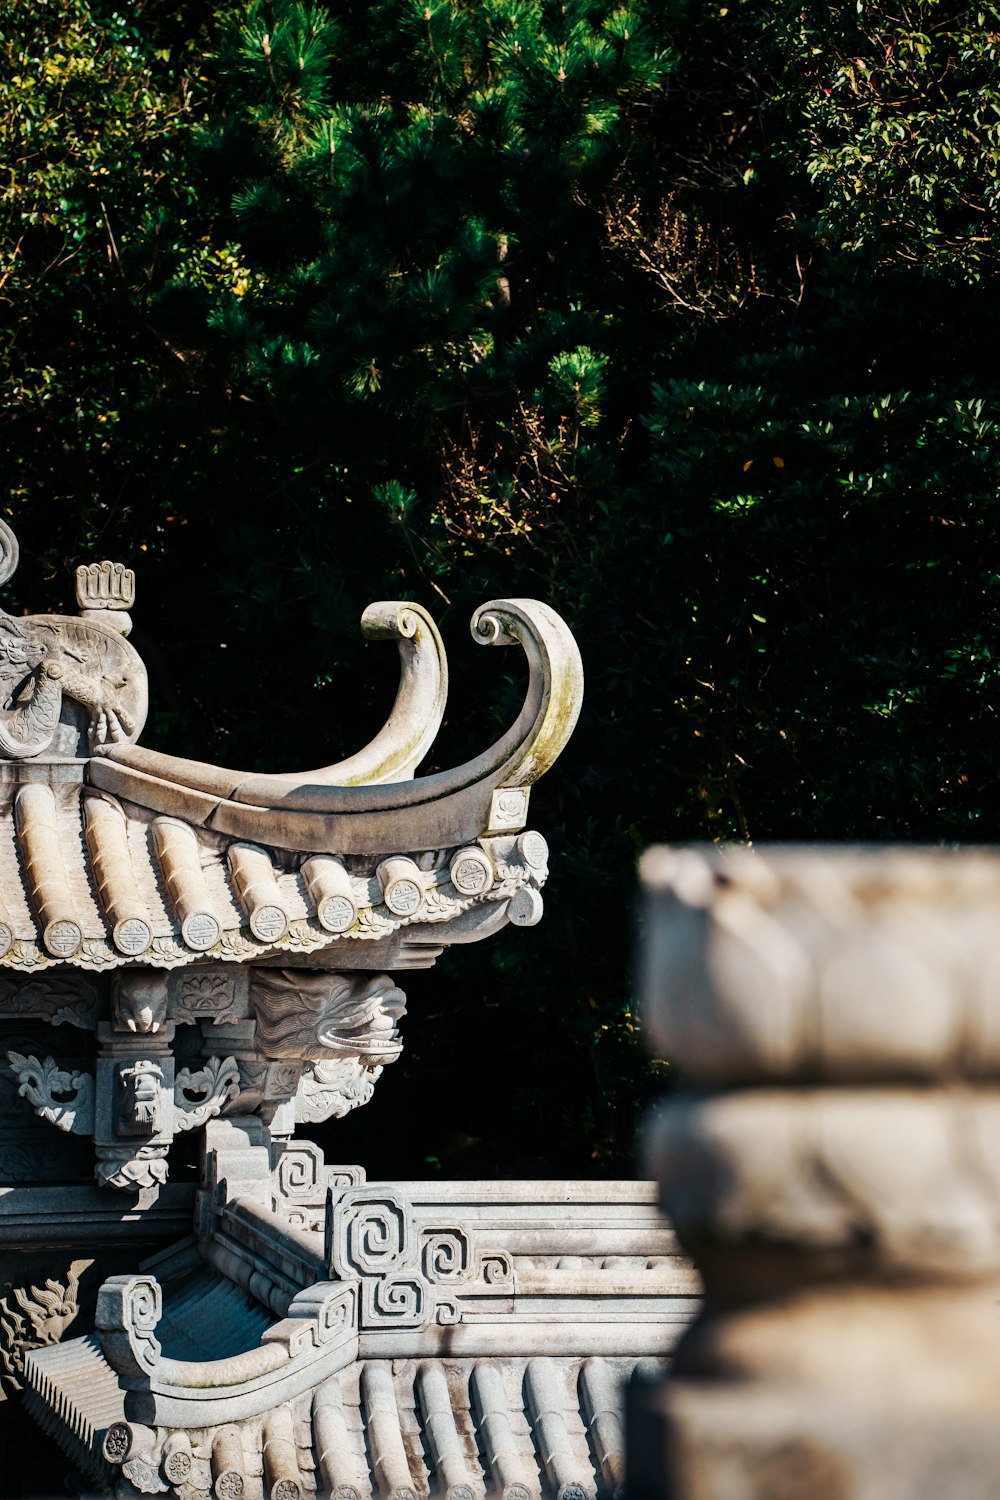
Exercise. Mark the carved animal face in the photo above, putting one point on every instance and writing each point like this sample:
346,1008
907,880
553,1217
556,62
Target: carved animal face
362,1022
318,1015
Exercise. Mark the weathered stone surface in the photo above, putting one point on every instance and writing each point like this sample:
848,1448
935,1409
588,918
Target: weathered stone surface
834,1176
481,1330
837,964
141,864
113,855
223,947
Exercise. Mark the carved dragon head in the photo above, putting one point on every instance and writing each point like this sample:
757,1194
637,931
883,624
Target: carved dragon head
319,1015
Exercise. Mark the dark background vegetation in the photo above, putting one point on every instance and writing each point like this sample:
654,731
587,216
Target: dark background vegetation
682,317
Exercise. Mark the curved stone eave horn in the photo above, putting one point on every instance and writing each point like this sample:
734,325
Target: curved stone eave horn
392,756
555,678
532,744
412,726
555,688
441,809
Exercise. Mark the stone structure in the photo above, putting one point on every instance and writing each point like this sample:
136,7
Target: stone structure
193,952
835,1175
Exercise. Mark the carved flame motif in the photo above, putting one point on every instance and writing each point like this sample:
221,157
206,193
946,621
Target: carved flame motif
216,1083
39,1318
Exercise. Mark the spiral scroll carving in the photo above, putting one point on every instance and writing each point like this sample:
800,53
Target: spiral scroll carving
487,629
336,1314
372,1234
143,1308
298,1172
128,1311
497,1268
448,1256
395,1301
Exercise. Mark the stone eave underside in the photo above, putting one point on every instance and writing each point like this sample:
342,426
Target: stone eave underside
98,883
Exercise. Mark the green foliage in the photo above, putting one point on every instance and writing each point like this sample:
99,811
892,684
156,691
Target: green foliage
681,317
899,118
92,201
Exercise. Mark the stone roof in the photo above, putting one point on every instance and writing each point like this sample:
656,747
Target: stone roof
327,1336
112,854
527,1429
91,881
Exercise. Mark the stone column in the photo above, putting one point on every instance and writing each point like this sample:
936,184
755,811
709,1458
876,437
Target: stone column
831,1161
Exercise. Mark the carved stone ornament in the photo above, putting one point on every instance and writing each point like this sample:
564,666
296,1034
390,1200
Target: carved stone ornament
45,659
236,938
371,1233
832,1170
128,1311
139,1098
329,1090
129,856
216,996
267,909
131,1168
419,1374
321,1016
400,1301
64,1099
216,1083
57,998
139,1000
33,1318
405,1266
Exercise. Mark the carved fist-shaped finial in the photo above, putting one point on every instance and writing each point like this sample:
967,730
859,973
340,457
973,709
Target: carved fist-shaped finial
103,587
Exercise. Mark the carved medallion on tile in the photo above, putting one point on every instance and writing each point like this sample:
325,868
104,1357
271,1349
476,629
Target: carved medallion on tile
471,871
176,1459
